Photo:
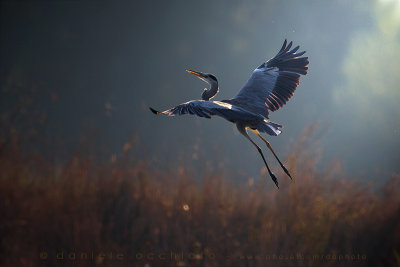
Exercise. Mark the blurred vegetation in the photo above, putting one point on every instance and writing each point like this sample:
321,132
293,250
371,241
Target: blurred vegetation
88,211
137,215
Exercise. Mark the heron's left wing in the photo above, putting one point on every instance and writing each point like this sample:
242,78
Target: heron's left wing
273,83
207,109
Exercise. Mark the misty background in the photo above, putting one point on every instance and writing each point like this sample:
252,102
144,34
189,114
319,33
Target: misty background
100,66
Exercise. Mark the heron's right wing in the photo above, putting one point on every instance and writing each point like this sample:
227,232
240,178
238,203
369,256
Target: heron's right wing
207,109
273,83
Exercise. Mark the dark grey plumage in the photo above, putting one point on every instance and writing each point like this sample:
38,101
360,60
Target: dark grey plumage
273,83
270,86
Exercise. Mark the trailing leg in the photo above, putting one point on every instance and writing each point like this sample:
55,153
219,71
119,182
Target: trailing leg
273,152
243,131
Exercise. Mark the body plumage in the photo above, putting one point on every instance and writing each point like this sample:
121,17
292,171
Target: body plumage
270,86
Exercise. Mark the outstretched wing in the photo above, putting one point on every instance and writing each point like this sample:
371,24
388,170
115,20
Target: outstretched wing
207,109
273,83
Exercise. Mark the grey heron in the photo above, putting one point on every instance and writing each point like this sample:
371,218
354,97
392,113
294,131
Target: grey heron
270,86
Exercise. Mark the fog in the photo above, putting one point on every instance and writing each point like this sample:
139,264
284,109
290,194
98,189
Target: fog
103,65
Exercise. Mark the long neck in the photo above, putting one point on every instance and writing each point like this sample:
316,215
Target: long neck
210,93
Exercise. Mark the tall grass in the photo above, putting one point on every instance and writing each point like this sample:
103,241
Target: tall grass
89,213
125,212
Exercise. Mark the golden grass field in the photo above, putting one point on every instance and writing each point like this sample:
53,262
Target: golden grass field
124,213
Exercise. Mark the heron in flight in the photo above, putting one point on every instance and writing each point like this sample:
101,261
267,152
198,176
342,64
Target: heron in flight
270,86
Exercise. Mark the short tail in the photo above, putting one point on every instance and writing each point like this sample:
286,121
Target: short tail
270,128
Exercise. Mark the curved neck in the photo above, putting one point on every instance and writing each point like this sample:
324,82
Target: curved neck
210,93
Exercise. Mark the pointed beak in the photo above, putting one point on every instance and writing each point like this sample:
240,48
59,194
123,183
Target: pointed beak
198,74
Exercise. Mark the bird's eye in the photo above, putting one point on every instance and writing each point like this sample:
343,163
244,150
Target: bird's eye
213,77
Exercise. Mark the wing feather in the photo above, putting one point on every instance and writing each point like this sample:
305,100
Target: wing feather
207,109
273,83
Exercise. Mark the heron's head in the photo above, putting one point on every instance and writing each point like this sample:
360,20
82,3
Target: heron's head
206,77
210,79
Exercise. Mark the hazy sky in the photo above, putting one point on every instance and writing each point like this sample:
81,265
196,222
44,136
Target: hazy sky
108,62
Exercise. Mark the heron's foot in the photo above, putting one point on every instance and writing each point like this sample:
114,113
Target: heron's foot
287,172
273,177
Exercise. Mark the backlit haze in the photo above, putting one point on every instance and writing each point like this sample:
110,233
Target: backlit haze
100,66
